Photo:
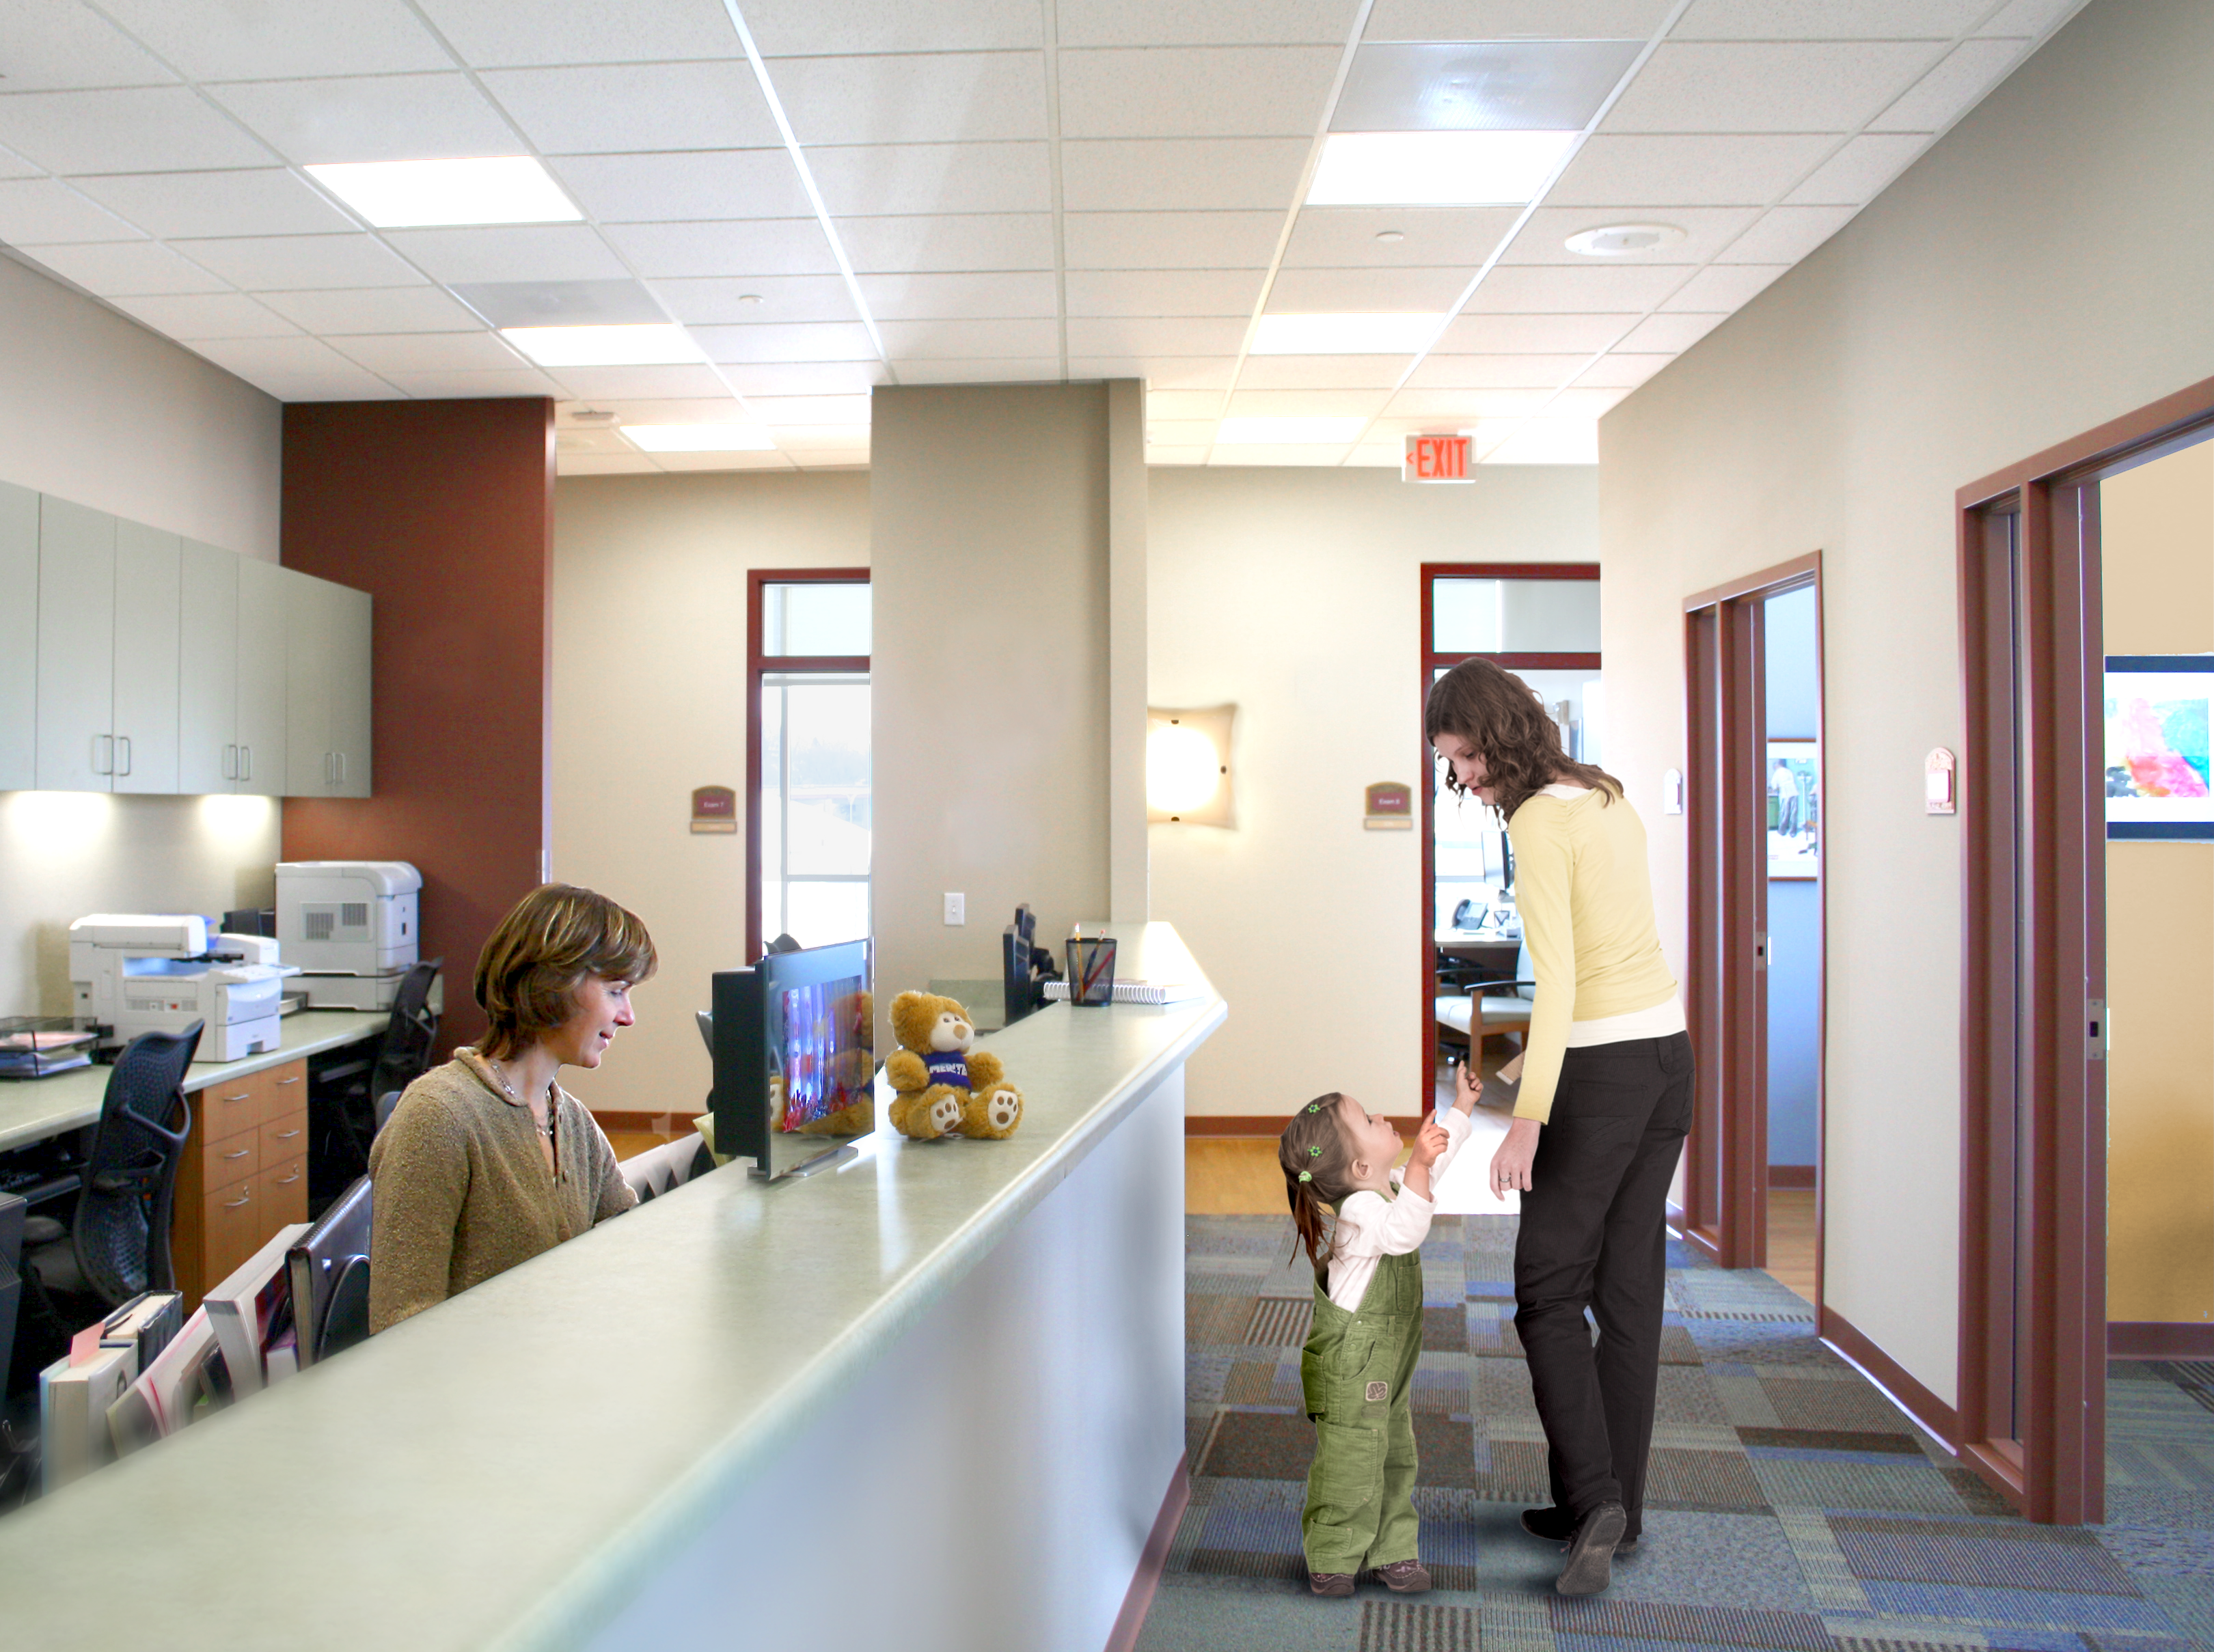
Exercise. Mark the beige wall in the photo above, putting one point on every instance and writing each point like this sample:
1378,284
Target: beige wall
649,701
2156,546
1294,594
2043,269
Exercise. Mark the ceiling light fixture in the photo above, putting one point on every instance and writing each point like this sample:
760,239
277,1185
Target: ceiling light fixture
414,194
593,416
1391,234
700,439
1623,240
644,344
1314,432
1435,169
1393,333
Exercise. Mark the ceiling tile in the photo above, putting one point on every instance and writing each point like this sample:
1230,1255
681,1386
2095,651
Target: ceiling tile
221,39
819,438
1428,406
1282,453
955,298
454,386
1160,372
1947,91
723,409
605,464
1196,92
1590,289
785,410
498,34
289,263
798,341
300,366
1768,86
677,463
1583,401
932,178
377,118
1707,230
1163,292
959,242
1182,404
611,108
266,201
1175,456
1480,85
565,252
38,209
128,268
1858,173
337,312
963,341
1170,240
776,298
920,98
809,27
1307,404
55,45
1308,292
13,165
1623,371
980,370
1375,455
1670,334
685,184
1153,175
1516,20
1195,432
1495,372
806,377
1827,20
642,382
190,316
1156,336
1507,335
2029,18
161,127
744,247
1345,237
1221,22
1685,171
1786,234
389,353
1723,286
1321,372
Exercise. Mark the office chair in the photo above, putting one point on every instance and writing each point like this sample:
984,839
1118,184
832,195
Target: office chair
121,1230
405,1054
11,1281
355,1115
385,1105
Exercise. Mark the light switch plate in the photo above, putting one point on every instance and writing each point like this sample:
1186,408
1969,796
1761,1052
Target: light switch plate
956,908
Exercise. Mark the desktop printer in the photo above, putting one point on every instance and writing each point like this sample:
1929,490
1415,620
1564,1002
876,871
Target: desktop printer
146,973
351,926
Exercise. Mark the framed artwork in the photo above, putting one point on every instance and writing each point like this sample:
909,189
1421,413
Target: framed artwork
2158,780
1794,783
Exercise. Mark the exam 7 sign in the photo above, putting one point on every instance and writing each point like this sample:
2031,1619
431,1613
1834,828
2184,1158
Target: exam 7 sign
1435,459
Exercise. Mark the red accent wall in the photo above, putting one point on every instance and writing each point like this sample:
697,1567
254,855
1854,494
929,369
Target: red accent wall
444,512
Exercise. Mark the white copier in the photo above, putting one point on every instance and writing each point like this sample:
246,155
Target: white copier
351,926
143,972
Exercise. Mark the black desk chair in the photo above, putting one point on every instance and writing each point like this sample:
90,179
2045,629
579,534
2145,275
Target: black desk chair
345,1103
120,1233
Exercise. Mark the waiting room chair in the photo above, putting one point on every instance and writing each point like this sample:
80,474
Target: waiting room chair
1479,1009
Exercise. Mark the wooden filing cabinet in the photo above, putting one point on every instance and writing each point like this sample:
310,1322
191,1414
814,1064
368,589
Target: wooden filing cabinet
244,1173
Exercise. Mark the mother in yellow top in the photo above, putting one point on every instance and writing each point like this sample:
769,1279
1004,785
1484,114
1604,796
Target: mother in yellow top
1604,1101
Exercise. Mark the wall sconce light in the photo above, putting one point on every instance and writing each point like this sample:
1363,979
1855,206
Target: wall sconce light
1188,765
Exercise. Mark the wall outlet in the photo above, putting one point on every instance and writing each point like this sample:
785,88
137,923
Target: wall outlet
956,908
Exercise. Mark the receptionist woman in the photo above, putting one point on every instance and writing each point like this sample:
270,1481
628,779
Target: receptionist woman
488,1161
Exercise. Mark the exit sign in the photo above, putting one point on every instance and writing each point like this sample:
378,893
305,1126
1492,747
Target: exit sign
1435,459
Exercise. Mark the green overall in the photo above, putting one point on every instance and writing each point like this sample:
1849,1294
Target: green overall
1358,1370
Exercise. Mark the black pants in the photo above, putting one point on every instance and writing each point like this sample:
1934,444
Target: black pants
1594,1235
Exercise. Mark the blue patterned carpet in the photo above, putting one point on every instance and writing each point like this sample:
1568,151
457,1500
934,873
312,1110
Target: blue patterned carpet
1789,1505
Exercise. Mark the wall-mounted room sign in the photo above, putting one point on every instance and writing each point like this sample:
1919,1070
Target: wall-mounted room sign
714,809
1435,459
1391,807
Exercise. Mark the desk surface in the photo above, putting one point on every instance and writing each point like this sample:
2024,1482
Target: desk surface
493,1472
33,1110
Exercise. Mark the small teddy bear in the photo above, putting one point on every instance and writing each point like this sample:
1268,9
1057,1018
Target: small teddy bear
939,1086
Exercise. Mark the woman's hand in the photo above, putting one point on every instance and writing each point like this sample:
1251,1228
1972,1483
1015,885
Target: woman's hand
1510,1165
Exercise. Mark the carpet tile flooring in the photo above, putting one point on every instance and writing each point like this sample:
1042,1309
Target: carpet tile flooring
1790,1507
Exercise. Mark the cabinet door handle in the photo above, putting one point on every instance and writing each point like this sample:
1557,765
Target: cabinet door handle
246,753
231,763
342,768
233,1204
97,766
123,740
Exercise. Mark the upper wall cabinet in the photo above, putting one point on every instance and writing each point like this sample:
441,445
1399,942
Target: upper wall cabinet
148,639
19,638
76,648
327,691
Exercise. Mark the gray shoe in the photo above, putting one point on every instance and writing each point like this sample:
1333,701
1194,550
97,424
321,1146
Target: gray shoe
1405,1577
1332,1585
1591,1552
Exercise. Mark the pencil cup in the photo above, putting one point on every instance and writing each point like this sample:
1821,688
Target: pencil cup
1092,969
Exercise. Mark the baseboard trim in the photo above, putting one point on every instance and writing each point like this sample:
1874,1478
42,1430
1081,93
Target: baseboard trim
1257,1124
1791,1176
1935,1418
2159,1339
1152,1560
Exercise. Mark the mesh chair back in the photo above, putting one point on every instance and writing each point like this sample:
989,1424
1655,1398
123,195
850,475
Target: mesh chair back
405,1054
121,1232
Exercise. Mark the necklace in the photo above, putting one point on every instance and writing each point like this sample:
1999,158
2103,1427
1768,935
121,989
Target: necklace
500,1072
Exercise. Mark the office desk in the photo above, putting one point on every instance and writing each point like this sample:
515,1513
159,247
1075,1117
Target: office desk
33,1109
931,1398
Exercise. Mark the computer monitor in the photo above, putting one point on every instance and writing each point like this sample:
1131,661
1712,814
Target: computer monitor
1025,967
794,1049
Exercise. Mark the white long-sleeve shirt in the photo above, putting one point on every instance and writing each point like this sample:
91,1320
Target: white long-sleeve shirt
1371,1227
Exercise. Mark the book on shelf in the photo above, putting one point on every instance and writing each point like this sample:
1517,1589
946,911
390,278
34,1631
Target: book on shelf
146,1323
250,1307
167,1392
73,1403
1135,992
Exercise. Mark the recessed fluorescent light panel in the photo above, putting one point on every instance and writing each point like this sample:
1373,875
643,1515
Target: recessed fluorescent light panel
646,345
1435,169
412,194
1316,432
700,438
1388,335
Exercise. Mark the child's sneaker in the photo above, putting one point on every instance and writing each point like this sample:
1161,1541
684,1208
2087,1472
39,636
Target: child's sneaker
1332,1584
1405,1577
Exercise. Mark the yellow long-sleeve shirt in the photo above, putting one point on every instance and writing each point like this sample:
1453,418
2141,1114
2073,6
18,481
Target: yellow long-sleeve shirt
1585,893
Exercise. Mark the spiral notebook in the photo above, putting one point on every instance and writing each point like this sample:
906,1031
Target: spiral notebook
1135,992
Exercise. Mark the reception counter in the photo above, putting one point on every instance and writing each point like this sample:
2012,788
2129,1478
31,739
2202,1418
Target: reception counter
930,1398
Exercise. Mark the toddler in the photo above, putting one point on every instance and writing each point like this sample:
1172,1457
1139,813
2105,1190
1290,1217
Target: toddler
1359,1362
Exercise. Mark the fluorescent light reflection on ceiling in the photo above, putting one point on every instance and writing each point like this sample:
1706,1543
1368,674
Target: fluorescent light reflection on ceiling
700,438
1394,333
1237,431
400,194
645,344
1435,169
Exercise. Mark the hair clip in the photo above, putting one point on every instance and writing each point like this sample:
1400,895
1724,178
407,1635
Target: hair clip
1306,1175
1314,1152
1314,1107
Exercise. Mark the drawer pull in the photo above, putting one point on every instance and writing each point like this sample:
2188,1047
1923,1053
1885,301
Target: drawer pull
295,1079
287,1181
241,1153
233,1204
286,1135
243,1095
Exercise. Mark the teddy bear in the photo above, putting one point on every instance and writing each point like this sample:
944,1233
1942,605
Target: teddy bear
939,1086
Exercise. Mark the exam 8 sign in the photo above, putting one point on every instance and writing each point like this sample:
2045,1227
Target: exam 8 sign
2159,776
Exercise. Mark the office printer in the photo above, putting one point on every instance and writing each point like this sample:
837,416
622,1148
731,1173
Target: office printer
140,972
351,926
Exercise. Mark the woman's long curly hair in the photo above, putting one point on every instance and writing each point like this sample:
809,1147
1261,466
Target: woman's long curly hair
1317,1159
1501,716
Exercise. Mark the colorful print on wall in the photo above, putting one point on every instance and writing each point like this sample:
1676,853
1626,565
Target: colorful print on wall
1794,808
2159,777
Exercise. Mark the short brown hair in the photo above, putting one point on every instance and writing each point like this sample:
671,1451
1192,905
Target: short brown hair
1503,717
529,970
